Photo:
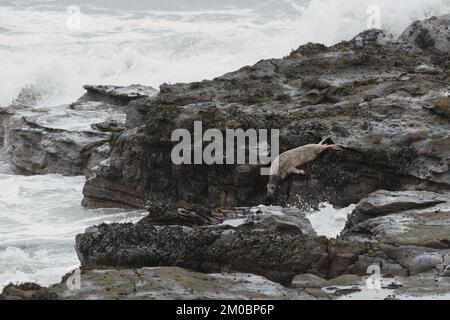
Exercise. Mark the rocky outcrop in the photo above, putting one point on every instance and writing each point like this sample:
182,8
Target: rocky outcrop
413,227
403,218
380,97
27,291
383,99
277,251
276,256
430,34
70,140
117,95
402,233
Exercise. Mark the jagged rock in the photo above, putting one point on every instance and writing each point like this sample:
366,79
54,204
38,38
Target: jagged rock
276,253
343,280
70,140
27,291
109,126
373,37
372,93
276,219
430,34
50,141
117,95
191,216
5,114
289,221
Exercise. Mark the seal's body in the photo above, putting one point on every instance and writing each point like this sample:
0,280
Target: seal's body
288,162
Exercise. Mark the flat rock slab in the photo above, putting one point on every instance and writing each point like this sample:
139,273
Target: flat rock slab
160,284
385,202
120,95
418,218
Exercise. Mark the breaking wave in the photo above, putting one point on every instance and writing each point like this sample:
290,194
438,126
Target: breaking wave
178,44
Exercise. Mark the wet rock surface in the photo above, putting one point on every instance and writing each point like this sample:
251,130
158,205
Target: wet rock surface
411,229
117,95
161,284
408,218
70,140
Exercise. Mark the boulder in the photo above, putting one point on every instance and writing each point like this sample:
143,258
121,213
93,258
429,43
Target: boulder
277,256
279,220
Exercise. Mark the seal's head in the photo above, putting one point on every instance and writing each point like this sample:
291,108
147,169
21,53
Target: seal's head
271,190
272,186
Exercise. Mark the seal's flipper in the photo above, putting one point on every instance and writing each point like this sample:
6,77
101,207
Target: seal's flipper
337,147
297,171
321,143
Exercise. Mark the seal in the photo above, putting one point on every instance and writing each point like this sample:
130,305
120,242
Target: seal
287,163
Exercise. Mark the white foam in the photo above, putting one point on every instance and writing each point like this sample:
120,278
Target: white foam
151,47
329,221
234,222
39,218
